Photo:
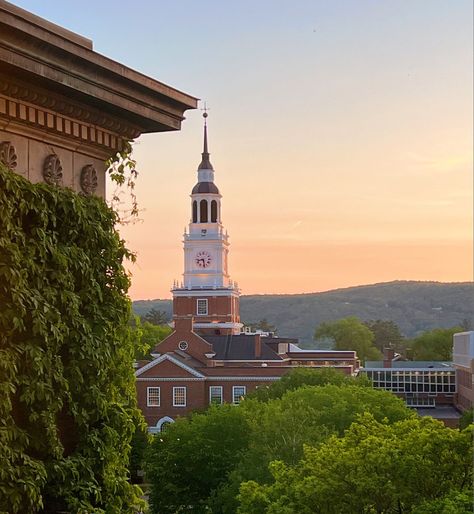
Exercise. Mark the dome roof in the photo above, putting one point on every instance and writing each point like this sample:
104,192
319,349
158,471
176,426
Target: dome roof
205,187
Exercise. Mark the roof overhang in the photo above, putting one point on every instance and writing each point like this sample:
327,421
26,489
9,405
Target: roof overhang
40,55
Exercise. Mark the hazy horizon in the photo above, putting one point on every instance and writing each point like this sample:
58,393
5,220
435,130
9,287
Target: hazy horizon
330,290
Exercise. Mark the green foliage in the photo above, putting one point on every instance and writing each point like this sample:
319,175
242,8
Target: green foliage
375,467
122,171
139,445
466,419
300,377
350,334
193,457
201,461
435,345
386,334
146,336
67,394
156,317
455,502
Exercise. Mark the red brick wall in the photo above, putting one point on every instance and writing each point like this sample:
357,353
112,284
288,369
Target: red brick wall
220,308
197,396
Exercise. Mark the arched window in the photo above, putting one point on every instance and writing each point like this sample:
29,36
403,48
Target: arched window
213,211
195,211
203,211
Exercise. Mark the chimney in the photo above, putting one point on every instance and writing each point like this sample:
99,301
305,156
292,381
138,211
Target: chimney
388,356
183,323
258,346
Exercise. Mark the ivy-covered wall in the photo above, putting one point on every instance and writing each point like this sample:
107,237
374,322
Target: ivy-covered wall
67,397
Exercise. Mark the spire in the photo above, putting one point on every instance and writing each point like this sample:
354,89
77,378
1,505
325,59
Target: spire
205,162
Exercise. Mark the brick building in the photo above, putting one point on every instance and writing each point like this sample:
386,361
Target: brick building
208,358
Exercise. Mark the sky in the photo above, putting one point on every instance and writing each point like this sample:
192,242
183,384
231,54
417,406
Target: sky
340,132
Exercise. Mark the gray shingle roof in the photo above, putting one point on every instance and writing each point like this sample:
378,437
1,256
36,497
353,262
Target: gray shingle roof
239,347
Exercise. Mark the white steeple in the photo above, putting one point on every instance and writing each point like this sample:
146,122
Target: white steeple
206,243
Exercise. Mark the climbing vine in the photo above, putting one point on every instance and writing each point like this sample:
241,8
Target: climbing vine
67,396
123,173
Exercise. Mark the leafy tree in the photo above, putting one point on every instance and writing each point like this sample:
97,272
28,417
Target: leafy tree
280,428
467,418
193,457
200,461
67,390
156,317
386,334
434,345
264,326
147,336
350,334
300,377
375,467
455,502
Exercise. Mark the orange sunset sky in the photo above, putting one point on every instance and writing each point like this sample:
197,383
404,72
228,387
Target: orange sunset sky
340,133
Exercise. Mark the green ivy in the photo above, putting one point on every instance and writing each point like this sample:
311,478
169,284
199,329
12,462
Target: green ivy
67,394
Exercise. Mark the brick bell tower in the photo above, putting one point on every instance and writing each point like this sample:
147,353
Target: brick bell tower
207,293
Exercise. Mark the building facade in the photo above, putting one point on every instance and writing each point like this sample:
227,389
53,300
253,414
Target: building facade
65,109
430,387
208,358
463,362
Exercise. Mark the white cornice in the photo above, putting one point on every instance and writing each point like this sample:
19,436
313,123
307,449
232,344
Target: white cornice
170,358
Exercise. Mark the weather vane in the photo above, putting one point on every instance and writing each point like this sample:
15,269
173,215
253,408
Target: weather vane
205,109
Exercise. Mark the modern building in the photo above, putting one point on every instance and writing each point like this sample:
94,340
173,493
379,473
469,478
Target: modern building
208,357
463,362
427,386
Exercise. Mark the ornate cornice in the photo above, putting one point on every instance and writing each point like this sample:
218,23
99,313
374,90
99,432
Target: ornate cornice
60,105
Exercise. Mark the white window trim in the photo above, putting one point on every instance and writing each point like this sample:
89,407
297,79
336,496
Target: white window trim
233,393
148,404
185,396
222,394
197,306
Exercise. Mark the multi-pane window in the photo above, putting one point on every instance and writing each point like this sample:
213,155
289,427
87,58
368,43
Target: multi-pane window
179,396
414,381
202,306
215,394
153,396
238,392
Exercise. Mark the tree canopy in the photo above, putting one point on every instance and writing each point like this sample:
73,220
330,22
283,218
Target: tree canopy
350,334
156,317
200,462
375,467
435,345
386,334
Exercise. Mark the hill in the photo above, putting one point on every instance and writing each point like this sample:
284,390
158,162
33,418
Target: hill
414,306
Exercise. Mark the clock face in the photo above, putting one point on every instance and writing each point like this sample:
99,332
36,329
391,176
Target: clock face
203,259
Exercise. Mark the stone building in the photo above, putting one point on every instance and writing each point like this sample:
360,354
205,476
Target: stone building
207,359
65,109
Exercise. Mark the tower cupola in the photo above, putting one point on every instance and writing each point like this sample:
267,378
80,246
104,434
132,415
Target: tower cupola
207,292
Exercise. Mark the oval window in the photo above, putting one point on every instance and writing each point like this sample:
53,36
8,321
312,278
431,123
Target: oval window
183,345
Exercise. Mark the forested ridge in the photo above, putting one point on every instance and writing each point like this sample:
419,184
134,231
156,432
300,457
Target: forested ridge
414,306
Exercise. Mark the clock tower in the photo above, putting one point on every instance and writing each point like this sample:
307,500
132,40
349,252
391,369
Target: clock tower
207,293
